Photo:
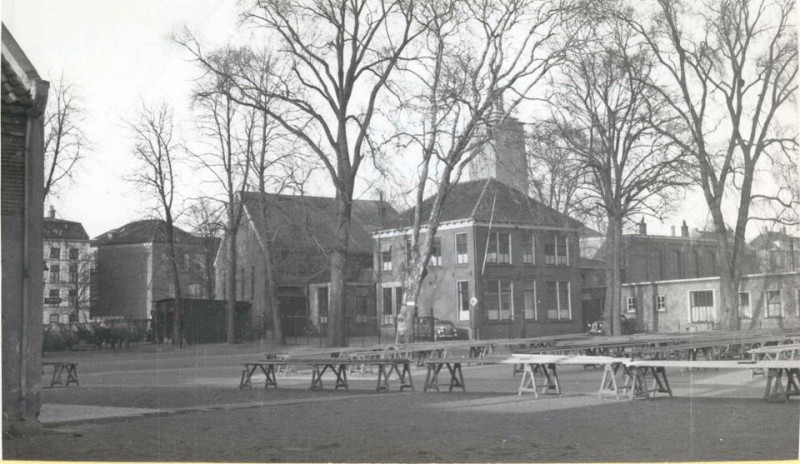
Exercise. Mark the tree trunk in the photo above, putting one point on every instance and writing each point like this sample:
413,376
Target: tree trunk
729,278
177,324
611,315
411,288
272,295
231,284
336,311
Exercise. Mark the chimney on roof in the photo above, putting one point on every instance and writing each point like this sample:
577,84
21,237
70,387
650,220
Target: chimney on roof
52,212
642,227
684,230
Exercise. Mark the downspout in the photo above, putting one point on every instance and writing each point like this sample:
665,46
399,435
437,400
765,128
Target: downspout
23,364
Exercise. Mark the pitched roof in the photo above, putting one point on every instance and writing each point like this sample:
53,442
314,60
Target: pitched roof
309,223
488,200
144,231
64,230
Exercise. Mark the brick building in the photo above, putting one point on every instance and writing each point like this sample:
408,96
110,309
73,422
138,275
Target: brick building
24,98
300,231
765,301
517,257
68,277
133,268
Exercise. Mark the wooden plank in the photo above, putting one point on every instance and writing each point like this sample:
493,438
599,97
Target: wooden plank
779,364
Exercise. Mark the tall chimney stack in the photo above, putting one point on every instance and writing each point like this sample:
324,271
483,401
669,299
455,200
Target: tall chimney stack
642,227
684,230
52,212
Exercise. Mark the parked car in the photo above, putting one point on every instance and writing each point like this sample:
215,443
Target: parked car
443,330
596,327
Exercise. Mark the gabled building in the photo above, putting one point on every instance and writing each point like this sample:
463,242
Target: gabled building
514,258
300,232
133,268
70,265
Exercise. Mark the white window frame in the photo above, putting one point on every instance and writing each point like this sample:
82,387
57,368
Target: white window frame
529,255
630,305
555,259
531,314
661,303
320,318
463,315
386,266
462,258
558,310
493,256
749,313
435,260
713,312
388,318
766,303
499,311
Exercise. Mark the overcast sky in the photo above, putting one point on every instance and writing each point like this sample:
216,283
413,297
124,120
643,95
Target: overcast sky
118,54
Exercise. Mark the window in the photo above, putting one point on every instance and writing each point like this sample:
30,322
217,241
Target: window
529,294
436,252
73,296
499,249
797,302
774,303
362,304
679,268
55,273
73,273
73,253
712,263
701,306
409,248
696,263
388,306
252,283
55,253
527,249
744,305
499,303
180,261
54,293
556,251
559,305
54,318
462,257
386,259
462,288
322,304
661,303
630,304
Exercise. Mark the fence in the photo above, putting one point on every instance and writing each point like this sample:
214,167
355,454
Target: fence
114,333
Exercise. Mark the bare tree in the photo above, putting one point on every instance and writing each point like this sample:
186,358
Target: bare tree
230,130
64,139
476,56
204,217
158,152
730,73
80,281
556,171
613,122
332,62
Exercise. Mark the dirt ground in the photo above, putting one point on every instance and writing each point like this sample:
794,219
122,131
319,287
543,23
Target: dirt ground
201,415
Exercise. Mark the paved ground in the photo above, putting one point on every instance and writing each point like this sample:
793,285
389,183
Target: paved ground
150,405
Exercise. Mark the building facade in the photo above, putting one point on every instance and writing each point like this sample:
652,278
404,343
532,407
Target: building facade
503,265
134,270
69,262
686,305
776,251
24,98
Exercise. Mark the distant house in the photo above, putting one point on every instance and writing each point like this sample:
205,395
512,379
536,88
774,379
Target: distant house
24,98
133,268
300,232
776,251
681,305
68,277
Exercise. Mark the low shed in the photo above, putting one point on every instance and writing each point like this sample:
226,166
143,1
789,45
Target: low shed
204,321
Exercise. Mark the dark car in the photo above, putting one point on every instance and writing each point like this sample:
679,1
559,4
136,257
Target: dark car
443,330
596,327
